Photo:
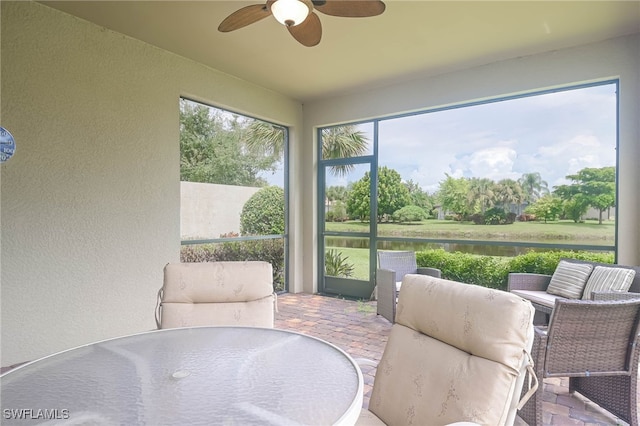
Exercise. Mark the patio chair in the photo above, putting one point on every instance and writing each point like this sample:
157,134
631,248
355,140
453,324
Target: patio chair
216,293
595,344
457,353
392,267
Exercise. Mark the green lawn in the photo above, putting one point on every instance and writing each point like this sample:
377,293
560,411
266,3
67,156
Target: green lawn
567,231
359,258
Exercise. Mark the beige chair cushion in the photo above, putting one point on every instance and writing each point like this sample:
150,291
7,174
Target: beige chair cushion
218,293
462,361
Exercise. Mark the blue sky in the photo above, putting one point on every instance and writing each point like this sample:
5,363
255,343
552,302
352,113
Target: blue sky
555,134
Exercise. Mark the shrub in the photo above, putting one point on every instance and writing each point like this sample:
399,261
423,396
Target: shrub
477,218
410,214
271,251
263,213
487,271
546,262
494,272
493,216
337,266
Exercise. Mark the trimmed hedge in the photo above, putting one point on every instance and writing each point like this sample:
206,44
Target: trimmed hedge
271,251
493,272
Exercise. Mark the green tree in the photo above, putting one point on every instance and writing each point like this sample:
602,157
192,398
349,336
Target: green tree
547,207
336,193
337,212
575,205
452,194
533,186
596,187
575,208
213,148
392,195
419,197
263,213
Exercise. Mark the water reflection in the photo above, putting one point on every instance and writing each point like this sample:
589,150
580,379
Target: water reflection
479,249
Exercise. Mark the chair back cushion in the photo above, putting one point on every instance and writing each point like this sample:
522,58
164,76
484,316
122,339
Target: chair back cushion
456,353
608,279
635,283
569,279
217,293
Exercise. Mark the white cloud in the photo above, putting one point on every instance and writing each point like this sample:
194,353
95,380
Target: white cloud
554,134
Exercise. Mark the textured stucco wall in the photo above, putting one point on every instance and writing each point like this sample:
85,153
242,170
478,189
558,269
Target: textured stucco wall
208,210
615,58
91,199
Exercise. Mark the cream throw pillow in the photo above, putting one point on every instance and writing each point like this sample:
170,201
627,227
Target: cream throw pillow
608,279
569,279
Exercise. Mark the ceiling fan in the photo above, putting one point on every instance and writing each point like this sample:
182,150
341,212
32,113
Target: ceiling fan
299,16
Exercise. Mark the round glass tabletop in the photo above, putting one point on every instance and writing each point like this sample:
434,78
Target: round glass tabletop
200,375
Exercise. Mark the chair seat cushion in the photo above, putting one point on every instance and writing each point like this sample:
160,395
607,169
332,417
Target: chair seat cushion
540,297
256,313
367,418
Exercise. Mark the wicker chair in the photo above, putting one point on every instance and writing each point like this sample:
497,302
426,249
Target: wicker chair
392,267
595,344
538,283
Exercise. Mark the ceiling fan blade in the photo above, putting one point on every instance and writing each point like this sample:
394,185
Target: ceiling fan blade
243,17
350,8
309,32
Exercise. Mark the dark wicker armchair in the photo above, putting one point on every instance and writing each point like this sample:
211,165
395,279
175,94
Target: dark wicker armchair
595,344
392,267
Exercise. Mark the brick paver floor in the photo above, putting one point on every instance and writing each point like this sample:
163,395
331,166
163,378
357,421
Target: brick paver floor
354,327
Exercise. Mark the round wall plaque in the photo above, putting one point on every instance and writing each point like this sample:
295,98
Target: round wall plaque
7,145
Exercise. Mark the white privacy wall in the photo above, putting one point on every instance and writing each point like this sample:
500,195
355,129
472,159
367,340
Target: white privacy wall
616,58
209,210
91,199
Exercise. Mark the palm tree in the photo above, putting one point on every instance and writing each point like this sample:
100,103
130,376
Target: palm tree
337,142
265,137
533,186
343,142
508,191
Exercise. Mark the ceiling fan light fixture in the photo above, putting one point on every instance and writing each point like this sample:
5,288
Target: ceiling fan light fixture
290,12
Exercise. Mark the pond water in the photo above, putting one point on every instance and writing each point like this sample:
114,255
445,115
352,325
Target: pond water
509,250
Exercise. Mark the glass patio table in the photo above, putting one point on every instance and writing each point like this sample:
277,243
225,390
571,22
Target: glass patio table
189,376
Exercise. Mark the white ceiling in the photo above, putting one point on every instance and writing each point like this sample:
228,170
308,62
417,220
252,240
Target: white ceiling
410,39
